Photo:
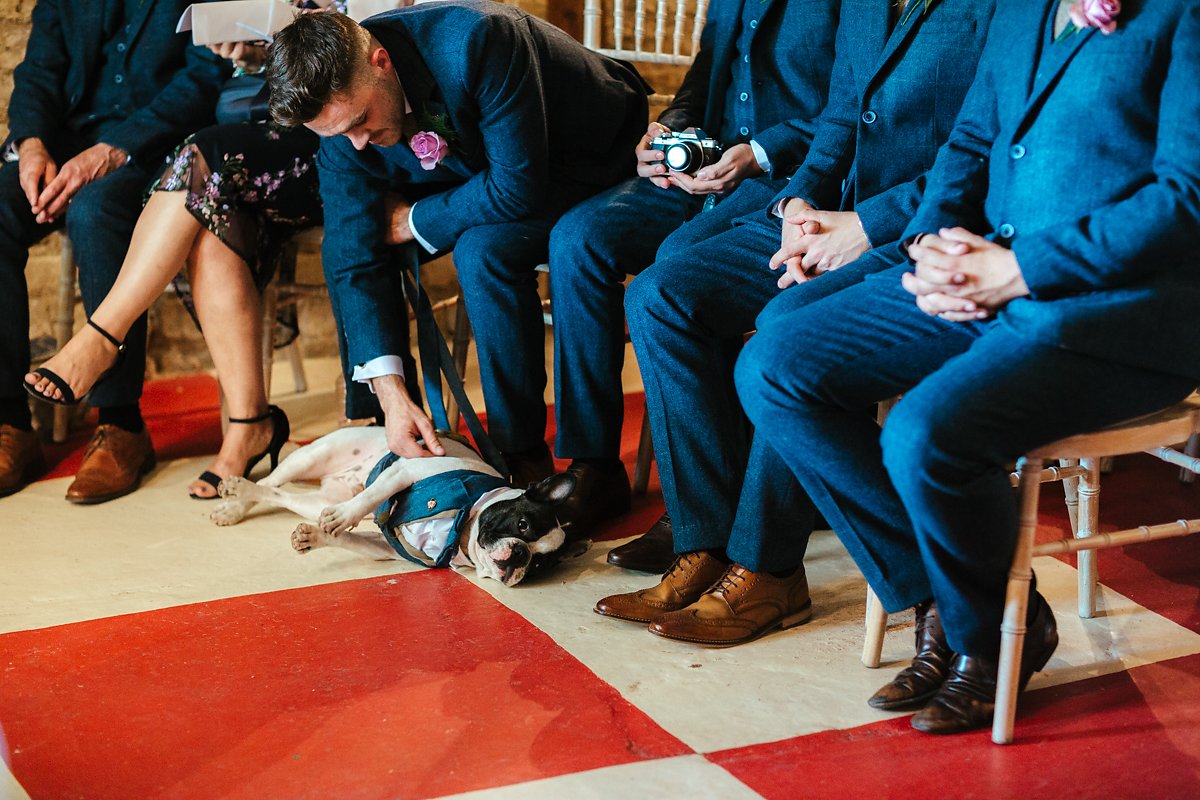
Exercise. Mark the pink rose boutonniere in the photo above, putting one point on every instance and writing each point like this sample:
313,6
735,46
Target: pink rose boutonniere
429,148
1100,14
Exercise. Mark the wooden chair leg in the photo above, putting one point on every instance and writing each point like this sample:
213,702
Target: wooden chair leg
1016,603
1192,450
1089,525
460,346
876,627
296,360
1071,494
645,457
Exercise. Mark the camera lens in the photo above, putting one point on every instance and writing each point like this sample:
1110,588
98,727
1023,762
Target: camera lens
683,156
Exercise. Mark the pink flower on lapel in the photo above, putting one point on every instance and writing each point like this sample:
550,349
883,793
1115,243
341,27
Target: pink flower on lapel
1100,14
429,148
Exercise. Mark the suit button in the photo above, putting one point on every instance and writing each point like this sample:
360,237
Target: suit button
119,78
743,97
746,58
753,23
744,131
1006,231
1017,151
120,47
869,117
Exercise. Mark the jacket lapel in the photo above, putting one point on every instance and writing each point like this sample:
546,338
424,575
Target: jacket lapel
91,28
904,31
1039,93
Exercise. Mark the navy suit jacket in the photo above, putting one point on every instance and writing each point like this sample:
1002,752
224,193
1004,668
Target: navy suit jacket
1092,176
892,103
791,55
175,85
536,116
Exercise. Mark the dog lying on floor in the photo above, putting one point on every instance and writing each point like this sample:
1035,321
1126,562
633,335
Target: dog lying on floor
452,510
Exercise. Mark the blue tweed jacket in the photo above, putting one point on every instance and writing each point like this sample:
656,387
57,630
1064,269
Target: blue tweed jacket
172,85
1090,172
531,109
791,56
893,101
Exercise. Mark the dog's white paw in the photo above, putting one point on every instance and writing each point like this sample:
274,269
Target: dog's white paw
229,512
308,537
336,519
234,486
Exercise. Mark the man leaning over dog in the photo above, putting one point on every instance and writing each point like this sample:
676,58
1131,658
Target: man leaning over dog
490,123
1054,272
757,85
741,523
104,90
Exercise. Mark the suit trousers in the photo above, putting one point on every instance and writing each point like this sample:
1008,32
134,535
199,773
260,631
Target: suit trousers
99,222
926,508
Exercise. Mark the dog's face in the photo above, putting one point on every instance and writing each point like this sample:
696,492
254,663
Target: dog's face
521,533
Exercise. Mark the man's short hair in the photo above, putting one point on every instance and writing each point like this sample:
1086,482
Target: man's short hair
310,61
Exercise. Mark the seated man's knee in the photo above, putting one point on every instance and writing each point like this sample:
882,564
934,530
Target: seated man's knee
648,298
752,375
923,445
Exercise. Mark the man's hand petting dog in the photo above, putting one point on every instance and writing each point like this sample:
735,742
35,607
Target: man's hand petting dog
409,430
961,277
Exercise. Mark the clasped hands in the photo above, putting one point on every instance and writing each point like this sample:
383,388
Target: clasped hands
735,165
49,188
816,241
960,276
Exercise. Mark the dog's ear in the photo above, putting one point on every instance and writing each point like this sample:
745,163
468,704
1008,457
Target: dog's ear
552,490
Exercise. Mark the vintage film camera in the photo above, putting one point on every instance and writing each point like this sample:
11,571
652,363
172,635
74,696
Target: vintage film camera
688,151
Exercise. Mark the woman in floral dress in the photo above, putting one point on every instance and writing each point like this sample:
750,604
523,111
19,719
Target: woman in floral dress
228,200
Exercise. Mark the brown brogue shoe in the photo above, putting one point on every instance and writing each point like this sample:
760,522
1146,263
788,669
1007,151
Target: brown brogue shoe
20,458
689,576
599,496
653,551
966,701
113,465
743,605
919,681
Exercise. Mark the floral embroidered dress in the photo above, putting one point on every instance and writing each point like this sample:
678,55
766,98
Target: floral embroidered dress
253,185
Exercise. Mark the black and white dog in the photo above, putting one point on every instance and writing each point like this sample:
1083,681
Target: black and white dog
451,510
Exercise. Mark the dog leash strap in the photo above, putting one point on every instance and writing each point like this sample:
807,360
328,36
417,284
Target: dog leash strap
431,345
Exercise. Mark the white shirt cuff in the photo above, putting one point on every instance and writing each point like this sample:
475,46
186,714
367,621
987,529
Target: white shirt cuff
10,153
761,156
777,209
428,247
376,368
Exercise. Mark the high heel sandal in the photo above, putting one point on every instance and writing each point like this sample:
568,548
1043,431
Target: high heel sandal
280,430
68,394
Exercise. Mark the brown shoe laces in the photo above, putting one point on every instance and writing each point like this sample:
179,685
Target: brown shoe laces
732,579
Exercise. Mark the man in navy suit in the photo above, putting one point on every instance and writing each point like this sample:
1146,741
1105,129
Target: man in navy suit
1054,275
899,79
759,80
105,89
533,123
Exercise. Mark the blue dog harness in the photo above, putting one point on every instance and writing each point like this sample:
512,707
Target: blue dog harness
448,496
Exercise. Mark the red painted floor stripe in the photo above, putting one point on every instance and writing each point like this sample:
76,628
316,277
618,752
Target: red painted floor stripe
415,686
1130,735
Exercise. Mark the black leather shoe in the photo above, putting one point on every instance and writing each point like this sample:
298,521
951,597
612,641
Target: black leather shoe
966,701
917,683
599,495
653,551
526,469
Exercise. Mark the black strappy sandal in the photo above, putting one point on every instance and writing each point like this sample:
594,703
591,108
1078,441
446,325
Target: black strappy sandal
280,430
68,394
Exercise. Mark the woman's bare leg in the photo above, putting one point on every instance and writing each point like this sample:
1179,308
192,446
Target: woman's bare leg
164,236
230,312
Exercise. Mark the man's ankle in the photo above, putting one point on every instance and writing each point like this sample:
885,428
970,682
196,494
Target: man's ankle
127,417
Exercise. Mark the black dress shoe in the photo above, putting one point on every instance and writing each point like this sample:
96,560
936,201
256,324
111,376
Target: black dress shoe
966,701
652,552
601,494
526,469
917,683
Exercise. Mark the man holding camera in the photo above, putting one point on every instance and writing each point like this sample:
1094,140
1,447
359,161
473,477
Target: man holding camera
740,521
757,84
